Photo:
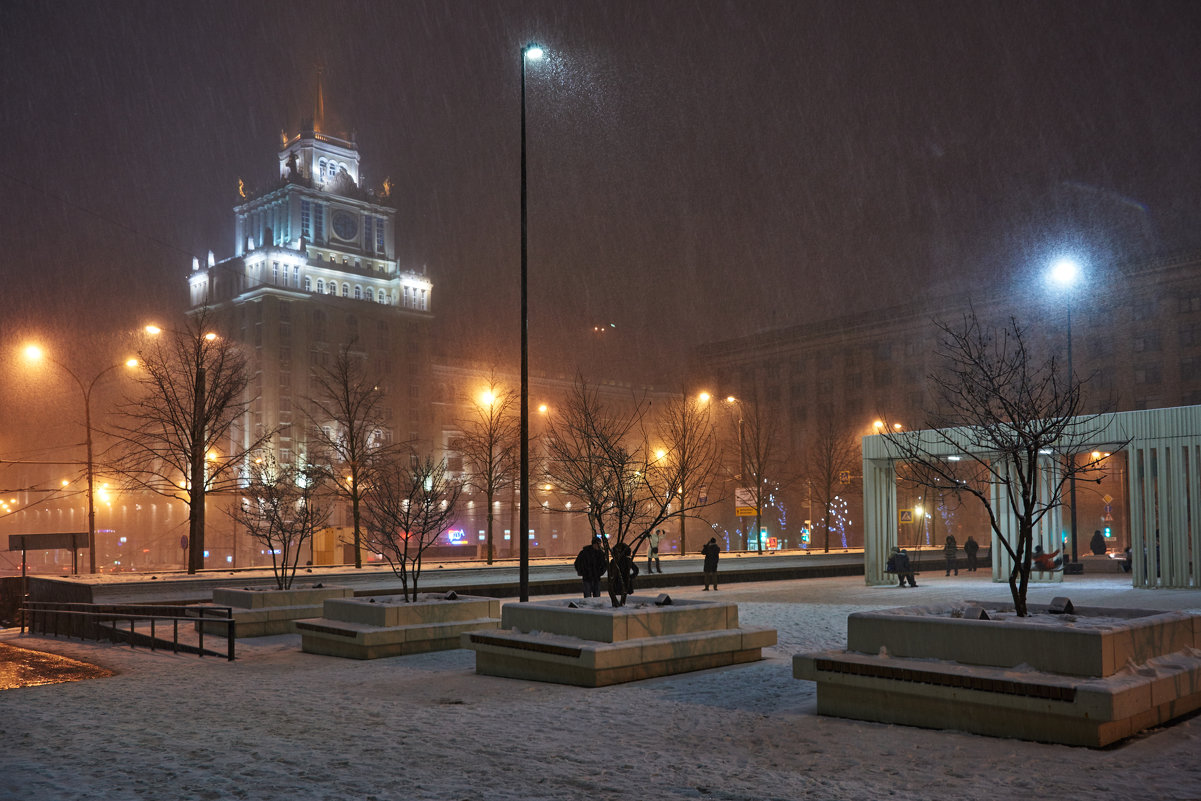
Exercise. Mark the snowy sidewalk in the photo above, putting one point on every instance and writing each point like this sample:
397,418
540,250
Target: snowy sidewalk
280,724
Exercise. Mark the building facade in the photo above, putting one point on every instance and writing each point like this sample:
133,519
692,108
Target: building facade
1135,331
315,270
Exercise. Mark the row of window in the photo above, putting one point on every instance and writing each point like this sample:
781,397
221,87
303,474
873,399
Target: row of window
411,297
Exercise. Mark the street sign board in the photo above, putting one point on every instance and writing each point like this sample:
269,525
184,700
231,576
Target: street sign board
71,541
844,476
906,515
744,502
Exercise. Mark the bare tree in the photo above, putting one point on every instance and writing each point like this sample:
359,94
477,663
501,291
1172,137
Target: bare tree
1006,431
689,438
832,453
603,457
410,504
281,508
177,434
347,434
762,468
489,446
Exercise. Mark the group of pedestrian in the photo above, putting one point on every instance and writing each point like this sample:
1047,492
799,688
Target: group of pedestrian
901,566
592,562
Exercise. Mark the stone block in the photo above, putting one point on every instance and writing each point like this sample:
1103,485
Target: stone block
1043,705
427,625
591,646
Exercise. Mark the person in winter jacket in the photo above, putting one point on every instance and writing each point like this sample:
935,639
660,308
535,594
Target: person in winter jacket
590,565
898,564
971,547
621,574
652,551
950,550
711,551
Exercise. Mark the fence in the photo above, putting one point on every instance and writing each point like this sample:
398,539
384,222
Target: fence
103,621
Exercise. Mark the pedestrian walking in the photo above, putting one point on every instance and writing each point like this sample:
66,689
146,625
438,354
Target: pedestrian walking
590,565
711,551
950,549
970,548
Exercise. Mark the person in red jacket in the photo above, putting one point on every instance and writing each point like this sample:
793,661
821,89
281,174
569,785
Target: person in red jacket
1045,561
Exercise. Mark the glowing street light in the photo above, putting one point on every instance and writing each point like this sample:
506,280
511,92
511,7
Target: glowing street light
33,353
531,52
1065,272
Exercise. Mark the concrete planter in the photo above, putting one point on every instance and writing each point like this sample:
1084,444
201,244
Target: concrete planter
370,628
592,645
1090,678
262,611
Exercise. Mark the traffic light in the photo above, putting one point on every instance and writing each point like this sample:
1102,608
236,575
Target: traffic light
1108,532
805,535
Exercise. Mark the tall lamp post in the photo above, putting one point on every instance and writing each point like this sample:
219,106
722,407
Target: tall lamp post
1065,272
531,52
34,353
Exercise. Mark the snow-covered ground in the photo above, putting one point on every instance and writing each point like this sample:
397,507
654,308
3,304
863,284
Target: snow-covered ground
282,724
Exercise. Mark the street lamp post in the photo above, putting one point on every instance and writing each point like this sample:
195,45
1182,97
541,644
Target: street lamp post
33,352
531,52
1065,272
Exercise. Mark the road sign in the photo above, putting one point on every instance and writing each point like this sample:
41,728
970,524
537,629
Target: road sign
844,476
906,515
744,502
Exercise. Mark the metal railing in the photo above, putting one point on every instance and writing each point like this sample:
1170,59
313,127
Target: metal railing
104,621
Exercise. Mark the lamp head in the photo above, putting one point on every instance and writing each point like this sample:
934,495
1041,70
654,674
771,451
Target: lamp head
533,52
1065,271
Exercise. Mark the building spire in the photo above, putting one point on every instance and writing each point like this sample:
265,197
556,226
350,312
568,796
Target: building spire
319,110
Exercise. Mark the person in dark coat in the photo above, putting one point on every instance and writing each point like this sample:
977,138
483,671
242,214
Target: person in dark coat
621,574
970,548
950,549
898,564
1097,543
590,565
711,551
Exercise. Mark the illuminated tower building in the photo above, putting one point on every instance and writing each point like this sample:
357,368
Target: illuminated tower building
315,269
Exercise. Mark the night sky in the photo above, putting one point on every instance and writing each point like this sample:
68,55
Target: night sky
698,169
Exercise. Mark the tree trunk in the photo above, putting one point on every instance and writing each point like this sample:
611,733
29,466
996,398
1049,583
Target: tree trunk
358,536
489,535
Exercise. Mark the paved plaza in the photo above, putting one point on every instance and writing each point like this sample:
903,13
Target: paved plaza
282,724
